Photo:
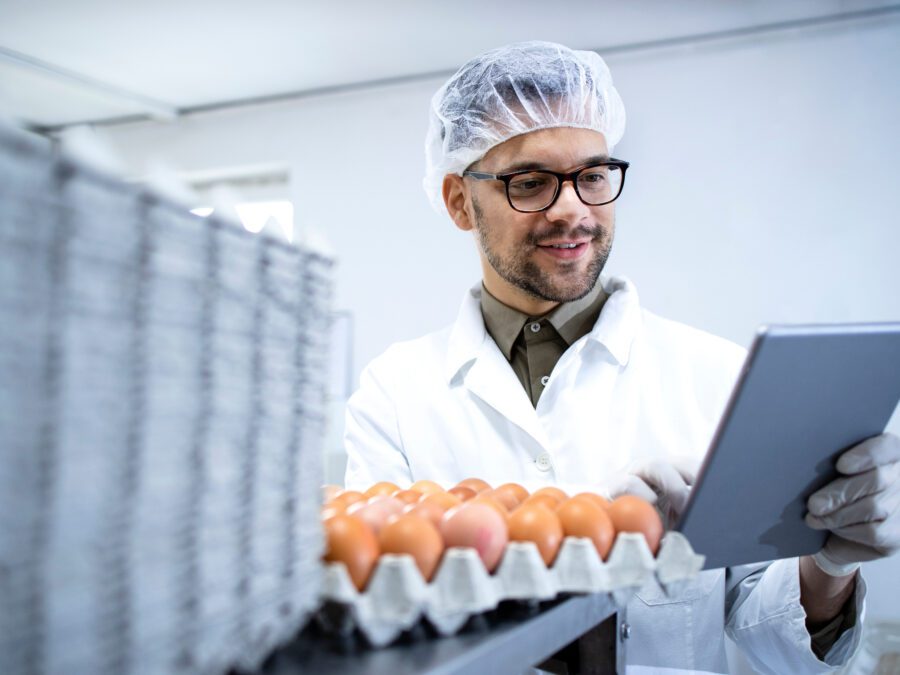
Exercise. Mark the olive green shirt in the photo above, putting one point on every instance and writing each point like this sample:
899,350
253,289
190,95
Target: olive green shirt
533,345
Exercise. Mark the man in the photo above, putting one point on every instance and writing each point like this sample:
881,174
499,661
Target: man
551,376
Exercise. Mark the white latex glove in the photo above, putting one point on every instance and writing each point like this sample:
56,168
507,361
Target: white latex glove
664,483
862,510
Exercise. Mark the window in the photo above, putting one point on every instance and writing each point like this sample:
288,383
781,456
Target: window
257,196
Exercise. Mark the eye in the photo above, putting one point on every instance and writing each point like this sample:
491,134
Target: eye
529,183
593,176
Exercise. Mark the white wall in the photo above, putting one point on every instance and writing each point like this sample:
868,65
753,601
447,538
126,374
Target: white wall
764,188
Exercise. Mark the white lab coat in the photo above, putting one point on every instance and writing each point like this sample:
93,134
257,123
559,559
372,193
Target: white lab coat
448,406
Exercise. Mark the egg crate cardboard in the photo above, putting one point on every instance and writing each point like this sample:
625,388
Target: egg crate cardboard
162,408
397,597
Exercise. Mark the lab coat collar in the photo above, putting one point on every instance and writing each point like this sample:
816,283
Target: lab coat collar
615,330
620,319
467,335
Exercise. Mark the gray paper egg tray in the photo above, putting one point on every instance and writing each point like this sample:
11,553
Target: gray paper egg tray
397,597
162,401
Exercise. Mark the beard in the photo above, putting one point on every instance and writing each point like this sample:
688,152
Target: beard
518,269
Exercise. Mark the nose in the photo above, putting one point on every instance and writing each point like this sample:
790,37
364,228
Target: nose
568,207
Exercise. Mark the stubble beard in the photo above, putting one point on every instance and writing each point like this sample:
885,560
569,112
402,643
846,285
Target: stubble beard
519,270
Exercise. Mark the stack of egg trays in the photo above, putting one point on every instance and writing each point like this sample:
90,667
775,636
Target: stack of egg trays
397,597
162,401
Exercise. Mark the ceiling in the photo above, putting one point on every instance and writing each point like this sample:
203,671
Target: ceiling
64,62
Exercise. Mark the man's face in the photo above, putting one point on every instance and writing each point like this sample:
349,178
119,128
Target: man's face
521,267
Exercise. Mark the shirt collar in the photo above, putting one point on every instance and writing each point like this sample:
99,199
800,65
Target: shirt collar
570,319
615,330
574,319
502,322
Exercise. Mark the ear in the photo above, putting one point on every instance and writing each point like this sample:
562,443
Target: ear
454,193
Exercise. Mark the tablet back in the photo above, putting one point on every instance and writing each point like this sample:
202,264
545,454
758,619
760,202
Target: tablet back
806,393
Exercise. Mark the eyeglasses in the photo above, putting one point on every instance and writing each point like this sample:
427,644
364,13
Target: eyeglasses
531,191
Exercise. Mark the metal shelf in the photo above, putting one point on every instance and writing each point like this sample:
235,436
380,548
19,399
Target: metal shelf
499,646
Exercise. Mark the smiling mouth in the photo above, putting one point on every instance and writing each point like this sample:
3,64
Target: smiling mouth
565,251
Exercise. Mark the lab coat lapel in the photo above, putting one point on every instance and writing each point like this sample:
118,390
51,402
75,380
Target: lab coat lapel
493,381
475,361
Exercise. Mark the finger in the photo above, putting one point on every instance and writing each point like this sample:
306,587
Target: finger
843,491
687,468
872,452
883,535
679,499
632,485
662,477
868,509
814,522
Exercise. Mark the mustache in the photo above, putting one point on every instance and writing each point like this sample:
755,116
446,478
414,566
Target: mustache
537,238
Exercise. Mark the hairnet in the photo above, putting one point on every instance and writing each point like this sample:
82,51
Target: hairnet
510,91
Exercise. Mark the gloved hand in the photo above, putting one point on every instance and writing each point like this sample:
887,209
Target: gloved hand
862,510
664,483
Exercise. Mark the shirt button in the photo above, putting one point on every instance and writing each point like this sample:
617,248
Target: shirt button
543,461
535,327
545,379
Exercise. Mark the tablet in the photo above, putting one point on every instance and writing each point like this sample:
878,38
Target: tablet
805,394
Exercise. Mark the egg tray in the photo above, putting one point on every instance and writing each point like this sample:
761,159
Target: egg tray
397,597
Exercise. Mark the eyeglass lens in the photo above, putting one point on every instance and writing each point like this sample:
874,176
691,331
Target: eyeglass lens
535,190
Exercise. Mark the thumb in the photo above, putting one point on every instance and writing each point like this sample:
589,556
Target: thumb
872,452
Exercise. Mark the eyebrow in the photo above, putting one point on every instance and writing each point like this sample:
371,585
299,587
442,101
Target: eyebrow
537,166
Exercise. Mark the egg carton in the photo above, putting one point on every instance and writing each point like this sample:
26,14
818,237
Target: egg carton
397,596
162,400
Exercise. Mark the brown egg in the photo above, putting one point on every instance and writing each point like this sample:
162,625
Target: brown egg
474,524
520,492
329,492
408,496
390,505
463,492
350,541
426,487
632,514
555,492
346,498
548,501
602,502
382,488
475,484
581,517
506,499
443,499
372,514
417,537
537,523
484,498
334,505
426,510
330,512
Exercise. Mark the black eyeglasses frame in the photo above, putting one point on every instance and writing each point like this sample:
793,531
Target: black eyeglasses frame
560,179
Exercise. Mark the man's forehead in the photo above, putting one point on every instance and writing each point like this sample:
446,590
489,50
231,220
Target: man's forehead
558,147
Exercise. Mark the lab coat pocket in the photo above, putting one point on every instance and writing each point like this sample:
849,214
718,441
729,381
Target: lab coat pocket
679,629
691,590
